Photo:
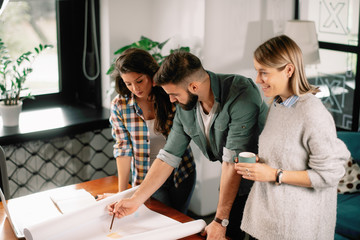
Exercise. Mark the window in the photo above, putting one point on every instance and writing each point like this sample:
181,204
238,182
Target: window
58,76
337,24
336,21
25,24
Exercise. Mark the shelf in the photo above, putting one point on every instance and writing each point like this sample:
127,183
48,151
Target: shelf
52,122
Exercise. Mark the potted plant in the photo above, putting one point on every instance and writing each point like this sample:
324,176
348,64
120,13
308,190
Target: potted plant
13,74
153,47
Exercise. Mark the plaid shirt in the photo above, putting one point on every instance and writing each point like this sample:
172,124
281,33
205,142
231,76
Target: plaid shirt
131,134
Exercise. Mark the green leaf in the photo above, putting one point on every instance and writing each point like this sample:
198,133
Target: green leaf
186,49
161,45
111,69
154,44
147,44
146,38
29,96
144,44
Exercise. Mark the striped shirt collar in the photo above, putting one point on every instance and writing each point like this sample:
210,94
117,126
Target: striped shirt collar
288,102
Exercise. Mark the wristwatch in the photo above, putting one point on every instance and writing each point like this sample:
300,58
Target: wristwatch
223,222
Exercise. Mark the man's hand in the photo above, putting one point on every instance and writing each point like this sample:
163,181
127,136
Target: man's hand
123,207
214,231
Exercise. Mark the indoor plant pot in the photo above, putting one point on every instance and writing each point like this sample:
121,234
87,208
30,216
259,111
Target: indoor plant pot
10,114
13,74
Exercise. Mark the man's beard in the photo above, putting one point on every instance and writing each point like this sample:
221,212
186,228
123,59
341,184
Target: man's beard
190,103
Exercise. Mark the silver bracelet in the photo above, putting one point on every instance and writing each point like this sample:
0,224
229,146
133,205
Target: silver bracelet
279,174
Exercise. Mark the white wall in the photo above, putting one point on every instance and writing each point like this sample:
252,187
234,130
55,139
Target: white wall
233,29
223,33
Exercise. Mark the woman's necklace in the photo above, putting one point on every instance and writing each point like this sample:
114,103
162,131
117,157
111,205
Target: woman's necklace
149,107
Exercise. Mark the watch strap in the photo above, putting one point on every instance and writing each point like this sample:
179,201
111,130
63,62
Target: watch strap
223,222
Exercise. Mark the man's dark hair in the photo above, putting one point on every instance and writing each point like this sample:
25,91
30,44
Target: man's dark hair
176,67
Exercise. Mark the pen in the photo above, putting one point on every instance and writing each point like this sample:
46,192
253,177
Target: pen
112,221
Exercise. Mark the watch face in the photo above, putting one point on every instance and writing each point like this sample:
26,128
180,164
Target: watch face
225,222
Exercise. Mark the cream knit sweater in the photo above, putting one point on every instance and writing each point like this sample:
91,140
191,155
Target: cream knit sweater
302,137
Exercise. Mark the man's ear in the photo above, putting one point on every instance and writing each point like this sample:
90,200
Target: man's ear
193,87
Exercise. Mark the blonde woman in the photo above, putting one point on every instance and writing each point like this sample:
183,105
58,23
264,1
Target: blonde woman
300,159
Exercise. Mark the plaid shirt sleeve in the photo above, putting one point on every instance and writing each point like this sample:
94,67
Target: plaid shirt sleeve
187,166
122,146
131,135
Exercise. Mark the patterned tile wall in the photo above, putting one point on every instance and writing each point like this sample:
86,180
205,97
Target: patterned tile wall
44,164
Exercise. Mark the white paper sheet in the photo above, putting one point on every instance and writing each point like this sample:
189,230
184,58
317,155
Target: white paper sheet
72,199
93,223
29,210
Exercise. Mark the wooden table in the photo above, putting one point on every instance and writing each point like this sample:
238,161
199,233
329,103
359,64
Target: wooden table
99,186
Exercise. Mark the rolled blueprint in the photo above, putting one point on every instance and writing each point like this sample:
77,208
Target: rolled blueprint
172,232
93,222
48,229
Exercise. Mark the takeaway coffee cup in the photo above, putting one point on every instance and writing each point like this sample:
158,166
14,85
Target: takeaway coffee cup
247,157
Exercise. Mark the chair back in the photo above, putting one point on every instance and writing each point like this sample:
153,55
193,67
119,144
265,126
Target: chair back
4,179
352,141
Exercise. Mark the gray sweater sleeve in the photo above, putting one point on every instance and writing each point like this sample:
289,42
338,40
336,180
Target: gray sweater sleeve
327,153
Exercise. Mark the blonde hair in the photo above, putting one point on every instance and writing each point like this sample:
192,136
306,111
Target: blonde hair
280,51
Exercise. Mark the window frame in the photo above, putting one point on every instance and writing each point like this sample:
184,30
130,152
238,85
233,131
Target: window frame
347,49
74,88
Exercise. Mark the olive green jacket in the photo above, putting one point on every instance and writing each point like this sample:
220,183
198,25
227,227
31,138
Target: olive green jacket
235,126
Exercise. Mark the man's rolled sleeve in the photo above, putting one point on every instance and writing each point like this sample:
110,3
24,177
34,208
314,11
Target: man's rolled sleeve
228,155
169,158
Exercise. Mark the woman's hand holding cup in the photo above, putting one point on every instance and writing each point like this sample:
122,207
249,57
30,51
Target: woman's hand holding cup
247,164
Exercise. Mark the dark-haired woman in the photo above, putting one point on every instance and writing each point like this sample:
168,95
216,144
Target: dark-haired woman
141,119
